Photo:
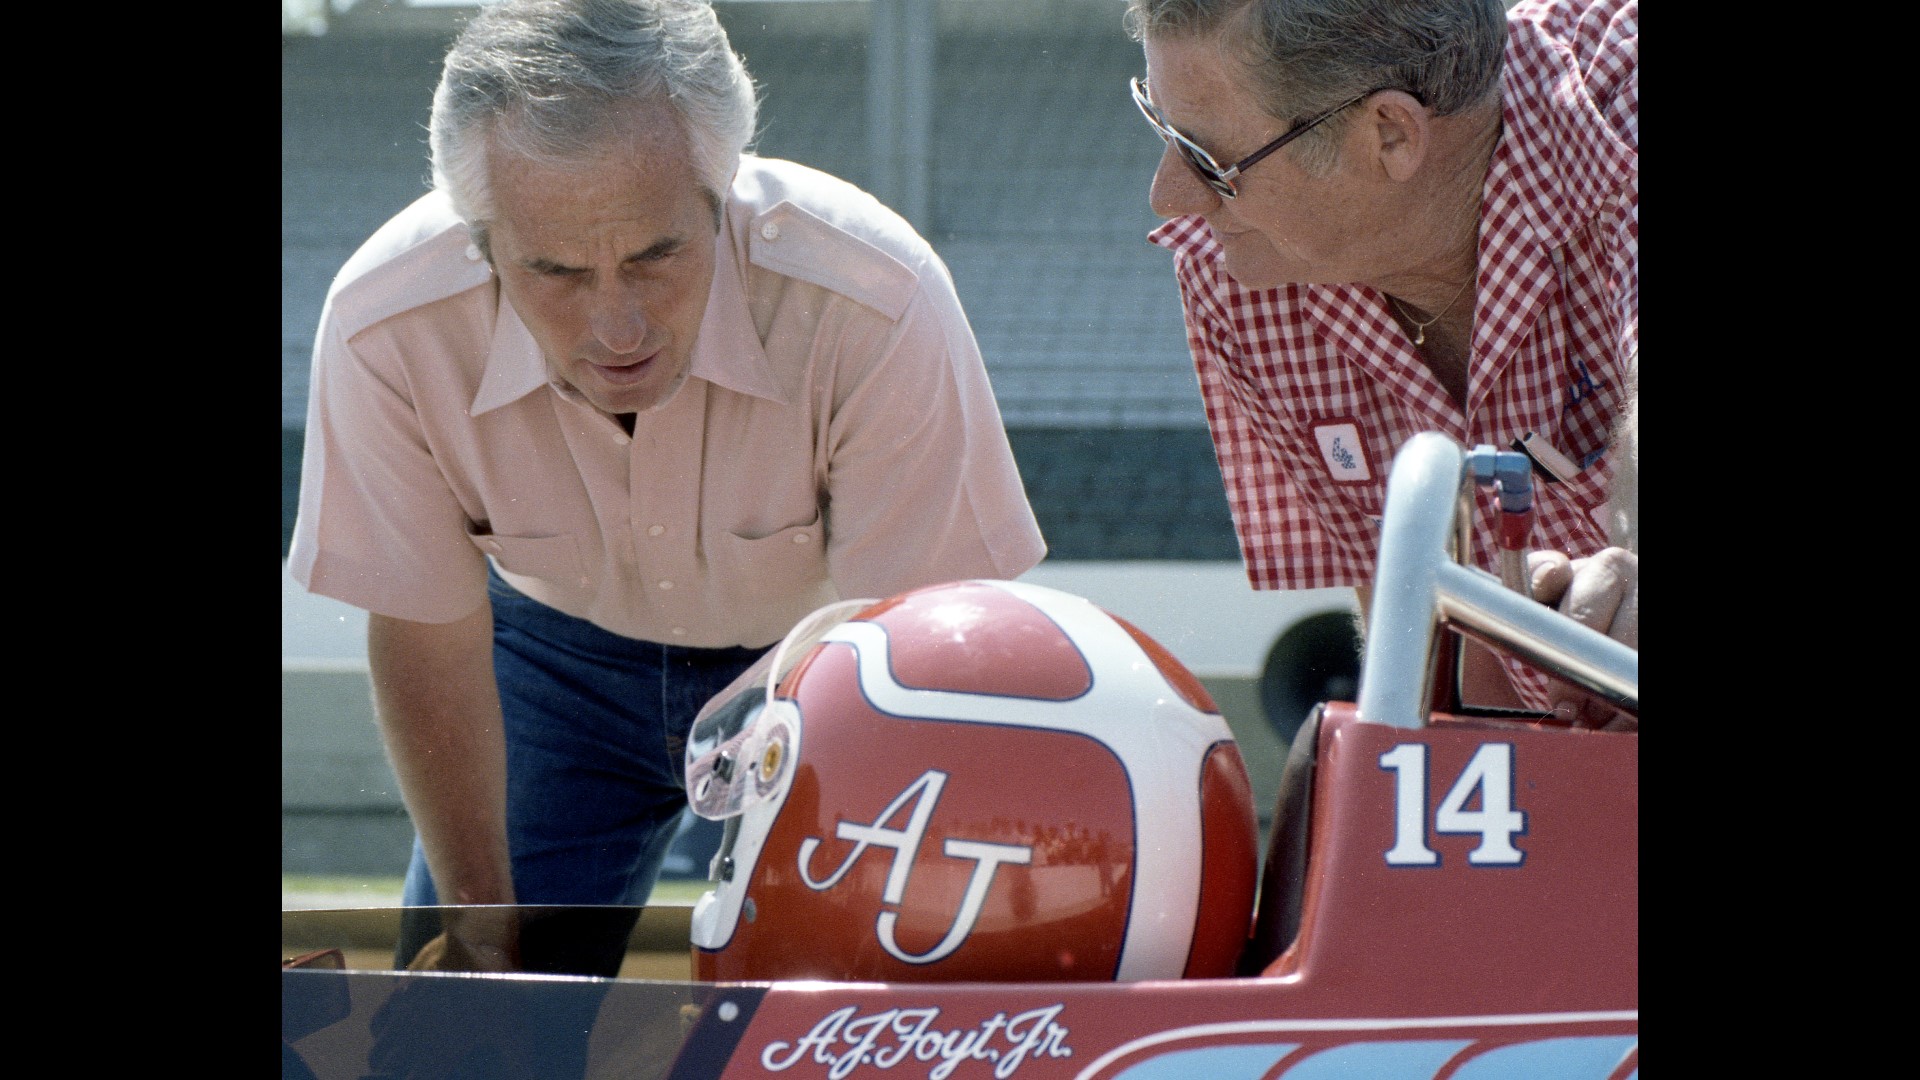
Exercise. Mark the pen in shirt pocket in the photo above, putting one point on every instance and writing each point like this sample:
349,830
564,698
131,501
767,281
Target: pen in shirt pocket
1553,466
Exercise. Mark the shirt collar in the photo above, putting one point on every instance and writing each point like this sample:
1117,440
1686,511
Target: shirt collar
515,367
727,352
1555,145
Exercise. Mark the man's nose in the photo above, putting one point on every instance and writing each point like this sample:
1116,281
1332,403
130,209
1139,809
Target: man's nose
1177,189
618,319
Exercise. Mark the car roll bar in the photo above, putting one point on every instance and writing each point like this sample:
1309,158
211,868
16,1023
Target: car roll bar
1425,582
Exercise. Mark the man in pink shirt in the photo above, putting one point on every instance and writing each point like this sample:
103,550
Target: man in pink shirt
1395,218
594,423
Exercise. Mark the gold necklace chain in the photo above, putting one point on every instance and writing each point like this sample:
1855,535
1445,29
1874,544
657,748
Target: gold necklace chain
1420,328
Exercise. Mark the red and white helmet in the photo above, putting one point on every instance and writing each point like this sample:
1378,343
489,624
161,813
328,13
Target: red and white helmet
977,781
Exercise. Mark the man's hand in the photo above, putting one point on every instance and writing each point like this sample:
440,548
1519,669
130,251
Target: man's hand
1602,592
474,939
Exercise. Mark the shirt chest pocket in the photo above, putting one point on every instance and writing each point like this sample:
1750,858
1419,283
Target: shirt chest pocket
547,558
785,560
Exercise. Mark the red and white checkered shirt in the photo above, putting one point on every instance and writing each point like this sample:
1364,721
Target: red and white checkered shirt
1310,389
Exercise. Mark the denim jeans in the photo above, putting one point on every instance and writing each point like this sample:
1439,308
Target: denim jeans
596,728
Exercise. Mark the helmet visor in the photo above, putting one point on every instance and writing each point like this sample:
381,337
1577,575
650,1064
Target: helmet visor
738,755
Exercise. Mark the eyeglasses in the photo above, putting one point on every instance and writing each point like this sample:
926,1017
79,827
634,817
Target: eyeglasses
1219,178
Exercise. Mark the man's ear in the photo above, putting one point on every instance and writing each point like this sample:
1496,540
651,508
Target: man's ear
1403,132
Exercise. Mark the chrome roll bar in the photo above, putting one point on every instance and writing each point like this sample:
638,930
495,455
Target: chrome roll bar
1424,582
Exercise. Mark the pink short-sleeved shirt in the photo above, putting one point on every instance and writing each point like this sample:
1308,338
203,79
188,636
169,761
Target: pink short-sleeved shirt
837,436
1311,389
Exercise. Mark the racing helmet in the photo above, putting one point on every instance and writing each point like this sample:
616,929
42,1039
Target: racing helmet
977,781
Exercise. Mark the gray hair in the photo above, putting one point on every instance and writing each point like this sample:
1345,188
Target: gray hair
1306,56
548,79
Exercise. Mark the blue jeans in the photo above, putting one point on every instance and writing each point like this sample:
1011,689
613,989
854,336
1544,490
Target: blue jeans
596,729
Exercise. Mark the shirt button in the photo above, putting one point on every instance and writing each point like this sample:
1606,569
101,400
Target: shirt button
473,252
622,438
770,231
679,631
656,530
801,538
666,584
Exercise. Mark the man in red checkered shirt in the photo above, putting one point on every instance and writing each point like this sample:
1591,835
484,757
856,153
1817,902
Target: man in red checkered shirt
1395,217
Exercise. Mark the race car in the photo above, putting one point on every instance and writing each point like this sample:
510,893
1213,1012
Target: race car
988,829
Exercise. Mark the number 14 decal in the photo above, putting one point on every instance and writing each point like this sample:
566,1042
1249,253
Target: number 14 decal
1496,821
